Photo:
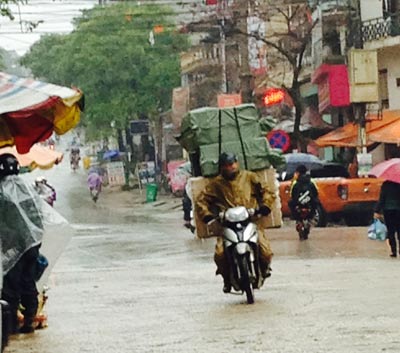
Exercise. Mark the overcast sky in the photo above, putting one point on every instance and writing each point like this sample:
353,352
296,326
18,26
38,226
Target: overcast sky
56,14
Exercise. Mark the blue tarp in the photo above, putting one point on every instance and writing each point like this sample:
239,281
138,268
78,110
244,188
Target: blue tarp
111,154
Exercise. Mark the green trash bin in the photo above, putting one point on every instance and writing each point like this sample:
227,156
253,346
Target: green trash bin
151,192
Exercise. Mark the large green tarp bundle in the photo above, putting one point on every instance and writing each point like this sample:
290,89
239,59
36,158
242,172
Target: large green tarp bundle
207,132
257,155
201,126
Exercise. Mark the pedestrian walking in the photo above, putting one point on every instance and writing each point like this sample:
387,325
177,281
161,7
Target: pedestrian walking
388,208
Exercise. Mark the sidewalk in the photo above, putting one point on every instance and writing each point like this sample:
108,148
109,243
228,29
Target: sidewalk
135,199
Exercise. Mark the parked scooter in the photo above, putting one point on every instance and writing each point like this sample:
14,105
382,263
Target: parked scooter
240,236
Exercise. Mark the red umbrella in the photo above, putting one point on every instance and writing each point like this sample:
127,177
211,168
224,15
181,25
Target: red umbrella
388,170
30,111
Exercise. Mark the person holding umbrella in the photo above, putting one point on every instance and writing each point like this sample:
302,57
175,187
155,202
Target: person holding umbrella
388,206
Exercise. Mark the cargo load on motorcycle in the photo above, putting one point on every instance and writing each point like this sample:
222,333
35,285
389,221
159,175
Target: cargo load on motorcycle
209,131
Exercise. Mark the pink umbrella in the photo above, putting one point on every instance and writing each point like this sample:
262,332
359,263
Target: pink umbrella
388,170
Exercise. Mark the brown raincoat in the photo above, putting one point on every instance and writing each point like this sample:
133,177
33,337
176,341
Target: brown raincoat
245,190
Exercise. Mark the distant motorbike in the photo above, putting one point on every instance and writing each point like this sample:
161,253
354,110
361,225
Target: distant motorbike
305,215
95,182
45,190
240,238
303,224
75,161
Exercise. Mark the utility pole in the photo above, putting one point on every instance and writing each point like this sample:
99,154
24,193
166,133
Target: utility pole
223,6
224,86
359,108
244,7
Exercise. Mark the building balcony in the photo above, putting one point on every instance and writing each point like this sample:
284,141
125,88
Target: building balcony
200,58
379,29
323,54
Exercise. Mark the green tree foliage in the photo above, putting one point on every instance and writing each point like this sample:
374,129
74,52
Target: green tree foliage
109,57
6,11
5,7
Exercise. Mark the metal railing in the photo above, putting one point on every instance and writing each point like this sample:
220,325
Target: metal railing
383,27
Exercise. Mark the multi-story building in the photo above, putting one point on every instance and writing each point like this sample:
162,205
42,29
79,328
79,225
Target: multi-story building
373,26
380,31
325,71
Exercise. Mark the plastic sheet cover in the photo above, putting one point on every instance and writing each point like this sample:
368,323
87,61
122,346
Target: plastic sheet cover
21,220
25,221
57,234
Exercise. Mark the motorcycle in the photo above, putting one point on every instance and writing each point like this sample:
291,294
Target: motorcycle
75,161
303,225
94,194
95,182
45,191
240,237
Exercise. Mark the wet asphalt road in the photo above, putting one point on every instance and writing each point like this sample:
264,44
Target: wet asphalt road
137,281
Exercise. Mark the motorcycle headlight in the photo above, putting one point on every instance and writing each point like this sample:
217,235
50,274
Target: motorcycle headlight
236,214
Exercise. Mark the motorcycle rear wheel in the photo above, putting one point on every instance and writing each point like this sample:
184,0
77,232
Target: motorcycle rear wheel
303,234
244,275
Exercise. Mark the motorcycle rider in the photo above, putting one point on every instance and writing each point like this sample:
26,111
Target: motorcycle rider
95,182
303,186
235,187
74,156
45,190
20,244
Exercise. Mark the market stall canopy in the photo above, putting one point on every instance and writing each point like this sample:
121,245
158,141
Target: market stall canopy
30,111
38,157
384,130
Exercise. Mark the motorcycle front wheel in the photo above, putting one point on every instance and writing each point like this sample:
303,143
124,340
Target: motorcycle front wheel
245,279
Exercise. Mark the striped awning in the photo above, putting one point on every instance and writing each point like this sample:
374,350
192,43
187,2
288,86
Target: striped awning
31,110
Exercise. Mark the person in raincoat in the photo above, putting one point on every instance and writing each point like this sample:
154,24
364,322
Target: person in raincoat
21,233
388,208
94,182
234,187
303,187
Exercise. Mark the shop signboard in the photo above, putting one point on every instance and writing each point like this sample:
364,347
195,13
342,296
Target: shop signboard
115,173
229,100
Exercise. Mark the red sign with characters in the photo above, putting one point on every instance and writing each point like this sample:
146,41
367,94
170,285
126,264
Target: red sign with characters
273,96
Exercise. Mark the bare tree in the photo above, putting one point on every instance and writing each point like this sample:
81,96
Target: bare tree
288,36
